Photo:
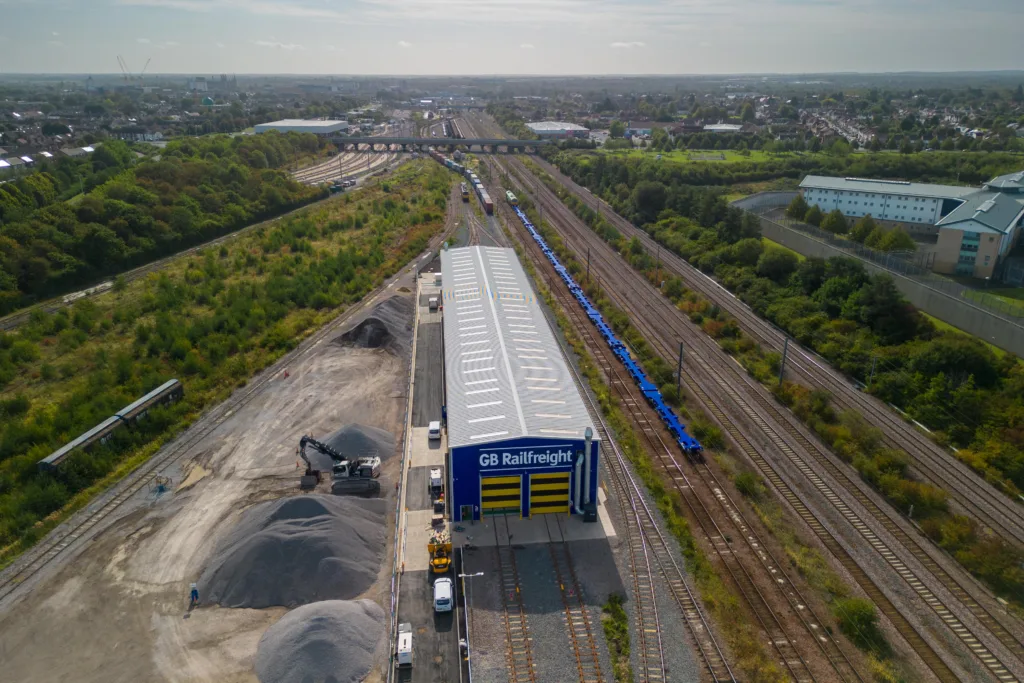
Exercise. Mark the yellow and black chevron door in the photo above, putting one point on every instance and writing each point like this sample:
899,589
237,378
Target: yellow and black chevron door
501,494
549,493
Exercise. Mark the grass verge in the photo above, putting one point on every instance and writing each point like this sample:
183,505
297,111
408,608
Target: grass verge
616,632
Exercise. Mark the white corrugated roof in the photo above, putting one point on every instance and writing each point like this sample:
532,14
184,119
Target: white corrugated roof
897,187
504,371
553,126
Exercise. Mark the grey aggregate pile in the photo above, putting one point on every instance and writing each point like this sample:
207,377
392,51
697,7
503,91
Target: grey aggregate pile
297,550
356,440
388,325
335,641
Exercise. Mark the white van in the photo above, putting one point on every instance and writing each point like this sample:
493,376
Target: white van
444,598
403,648
434,430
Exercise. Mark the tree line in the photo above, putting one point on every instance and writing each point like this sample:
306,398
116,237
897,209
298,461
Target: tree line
132,213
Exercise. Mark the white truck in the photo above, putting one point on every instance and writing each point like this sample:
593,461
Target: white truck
403,648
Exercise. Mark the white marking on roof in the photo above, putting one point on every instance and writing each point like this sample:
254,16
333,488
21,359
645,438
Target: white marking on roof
477,360
523,340
519,348
533,367
557,431
473,353
470,320
540,379
543,388
470,372
471,334
517,326
556,416
482,391
545,400
489,435
514,317
484,405
481,381
473,327
534,357
492,418
471,280
481,341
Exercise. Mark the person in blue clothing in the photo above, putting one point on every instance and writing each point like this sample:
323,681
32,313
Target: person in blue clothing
194,597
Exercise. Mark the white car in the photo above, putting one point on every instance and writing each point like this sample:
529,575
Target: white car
444,598
434,430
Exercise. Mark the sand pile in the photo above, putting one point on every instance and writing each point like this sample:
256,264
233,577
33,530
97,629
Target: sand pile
327,642
298,550
388,325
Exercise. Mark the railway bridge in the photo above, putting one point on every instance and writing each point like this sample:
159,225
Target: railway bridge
485,145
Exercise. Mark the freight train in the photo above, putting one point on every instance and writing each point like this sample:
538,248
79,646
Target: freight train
465,191
689,445
478,187
511,198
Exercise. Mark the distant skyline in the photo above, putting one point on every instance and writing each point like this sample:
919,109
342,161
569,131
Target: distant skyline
494,37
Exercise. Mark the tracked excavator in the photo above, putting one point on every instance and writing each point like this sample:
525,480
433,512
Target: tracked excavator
357,475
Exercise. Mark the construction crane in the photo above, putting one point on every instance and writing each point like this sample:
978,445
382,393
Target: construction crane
124,69
143,72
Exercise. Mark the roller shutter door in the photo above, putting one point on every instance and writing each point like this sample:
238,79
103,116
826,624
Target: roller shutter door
501,495
549,493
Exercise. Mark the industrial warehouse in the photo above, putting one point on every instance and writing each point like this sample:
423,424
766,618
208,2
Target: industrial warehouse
520,440
316,126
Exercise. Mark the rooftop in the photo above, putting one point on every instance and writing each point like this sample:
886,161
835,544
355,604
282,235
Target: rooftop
505,374
553,126
1011,182
296,123
996,211
899,187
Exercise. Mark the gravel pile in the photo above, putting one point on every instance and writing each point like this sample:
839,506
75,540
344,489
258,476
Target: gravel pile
387,326
326,642
298,550
356,440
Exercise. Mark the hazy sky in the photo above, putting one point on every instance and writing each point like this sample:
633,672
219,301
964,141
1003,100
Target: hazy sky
510,36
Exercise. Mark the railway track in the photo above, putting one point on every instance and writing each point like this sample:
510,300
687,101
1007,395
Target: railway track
342,166
577,620
726,375
649,551
785,590
934,464
519,654
81,524
986,615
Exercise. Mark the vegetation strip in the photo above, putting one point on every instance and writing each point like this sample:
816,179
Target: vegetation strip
213,321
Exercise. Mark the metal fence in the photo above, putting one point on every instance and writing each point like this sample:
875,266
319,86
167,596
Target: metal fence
769,206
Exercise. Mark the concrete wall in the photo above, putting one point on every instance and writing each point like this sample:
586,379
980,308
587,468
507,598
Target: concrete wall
1001,332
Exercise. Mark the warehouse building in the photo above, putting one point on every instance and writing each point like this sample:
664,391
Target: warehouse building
975,227
316,127
553,130
520,439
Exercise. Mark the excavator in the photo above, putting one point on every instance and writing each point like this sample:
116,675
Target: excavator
351,475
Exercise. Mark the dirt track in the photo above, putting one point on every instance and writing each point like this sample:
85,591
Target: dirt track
119,612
